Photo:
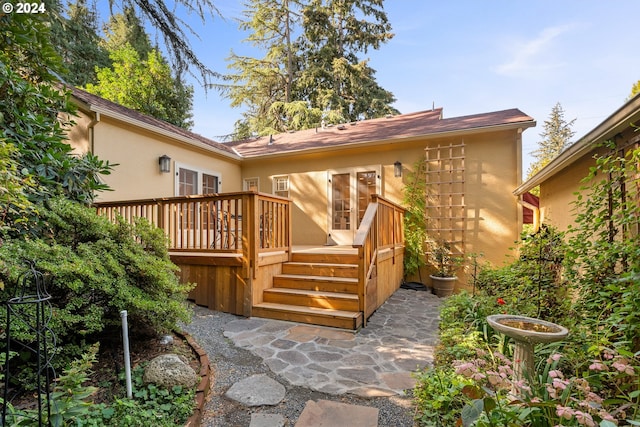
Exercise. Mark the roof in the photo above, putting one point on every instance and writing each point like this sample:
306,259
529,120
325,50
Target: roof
103,106
624,117
388,129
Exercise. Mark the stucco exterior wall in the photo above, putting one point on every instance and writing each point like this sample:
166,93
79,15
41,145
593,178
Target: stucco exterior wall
494,218
557,194
308,175
79,135
492,173
136,151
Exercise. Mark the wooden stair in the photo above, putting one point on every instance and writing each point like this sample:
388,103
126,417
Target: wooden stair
319,289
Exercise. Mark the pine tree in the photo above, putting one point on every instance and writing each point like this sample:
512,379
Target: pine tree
174,30
76,40
315,76
334,78
264,85
124,28
555,138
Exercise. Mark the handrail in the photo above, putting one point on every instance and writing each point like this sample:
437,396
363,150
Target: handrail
371,238
247,223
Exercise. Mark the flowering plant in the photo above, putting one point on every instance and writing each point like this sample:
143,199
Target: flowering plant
550,398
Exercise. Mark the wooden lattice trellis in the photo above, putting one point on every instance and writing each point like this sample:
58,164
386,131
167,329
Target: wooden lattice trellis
446,212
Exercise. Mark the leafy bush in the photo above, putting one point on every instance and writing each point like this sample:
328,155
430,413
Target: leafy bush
589,285
606,395
537,272
438,396
34,116
604,251
96,269
71,405
150,405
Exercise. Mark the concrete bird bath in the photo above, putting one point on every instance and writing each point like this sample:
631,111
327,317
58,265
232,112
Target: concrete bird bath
526,332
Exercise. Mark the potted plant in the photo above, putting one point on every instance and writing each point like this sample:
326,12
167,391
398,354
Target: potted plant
444,278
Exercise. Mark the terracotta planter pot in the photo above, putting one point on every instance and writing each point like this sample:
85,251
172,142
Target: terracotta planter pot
443,286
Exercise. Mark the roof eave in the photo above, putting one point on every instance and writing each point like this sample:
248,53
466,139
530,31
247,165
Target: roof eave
506,126
155,129
620,119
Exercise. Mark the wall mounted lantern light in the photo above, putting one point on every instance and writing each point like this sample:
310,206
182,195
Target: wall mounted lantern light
397,169
165,163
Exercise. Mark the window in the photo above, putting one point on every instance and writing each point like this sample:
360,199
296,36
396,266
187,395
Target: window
252,184
191,181
209,184
187,182
281,186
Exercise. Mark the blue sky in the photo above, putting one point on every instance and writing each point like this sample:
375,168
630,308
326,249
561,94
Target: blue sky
474,56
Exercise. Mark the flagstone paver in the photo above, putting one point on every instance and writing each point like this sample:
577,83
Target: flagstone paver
376,361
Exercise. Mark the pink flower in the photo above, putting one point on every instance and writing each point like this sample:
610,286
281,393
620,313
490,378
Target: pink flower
607,416
555,374
554,357
559,384
478,376
522,386
592,397
466,369
564,412
622,366
584,419
598,366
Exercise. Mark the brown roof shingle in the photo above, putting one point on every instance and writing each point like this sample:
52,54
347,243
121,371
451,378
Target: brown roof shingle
404,126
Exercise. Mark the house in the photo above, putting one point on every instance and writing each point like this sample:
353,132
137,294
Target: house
561,178
315,212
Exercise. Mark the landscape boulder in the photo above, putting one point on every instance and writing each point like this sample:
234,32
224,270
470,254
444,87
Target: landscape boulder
169,370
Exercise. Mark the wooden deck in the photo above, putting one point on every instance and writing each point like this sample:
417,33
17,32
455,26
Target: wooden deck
237,249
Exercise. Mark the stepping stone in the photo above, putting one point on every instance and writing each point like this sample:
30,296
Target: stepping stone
267,420
325,413
257,390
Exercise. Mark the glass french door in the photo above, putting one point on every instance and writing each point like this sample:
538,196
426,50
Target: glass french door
349,196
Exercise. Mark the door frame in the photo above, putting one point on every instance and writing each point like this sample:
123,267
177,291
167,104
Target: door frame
345,237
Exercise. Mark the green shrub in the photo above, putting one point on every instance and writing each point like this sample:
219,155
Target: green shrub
150,405
96,269
604,257
438,397
537,273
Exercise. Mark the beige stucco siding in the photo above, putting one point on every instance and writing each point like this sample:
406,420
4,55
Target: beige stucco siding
136,151
557,193
491,175
493,215
308,174
79,135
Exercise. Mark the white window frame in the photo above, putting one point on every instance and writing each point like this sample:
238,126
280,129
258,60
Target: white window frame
246,181
276,189
200,172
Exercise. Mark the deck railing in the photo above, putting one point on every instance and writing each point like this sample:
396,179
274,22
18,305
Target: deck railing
381,228
214,223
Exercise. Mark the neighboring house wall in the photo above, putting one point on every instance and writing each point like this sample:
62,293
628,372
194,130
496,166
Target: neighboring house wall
557,194
561,178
